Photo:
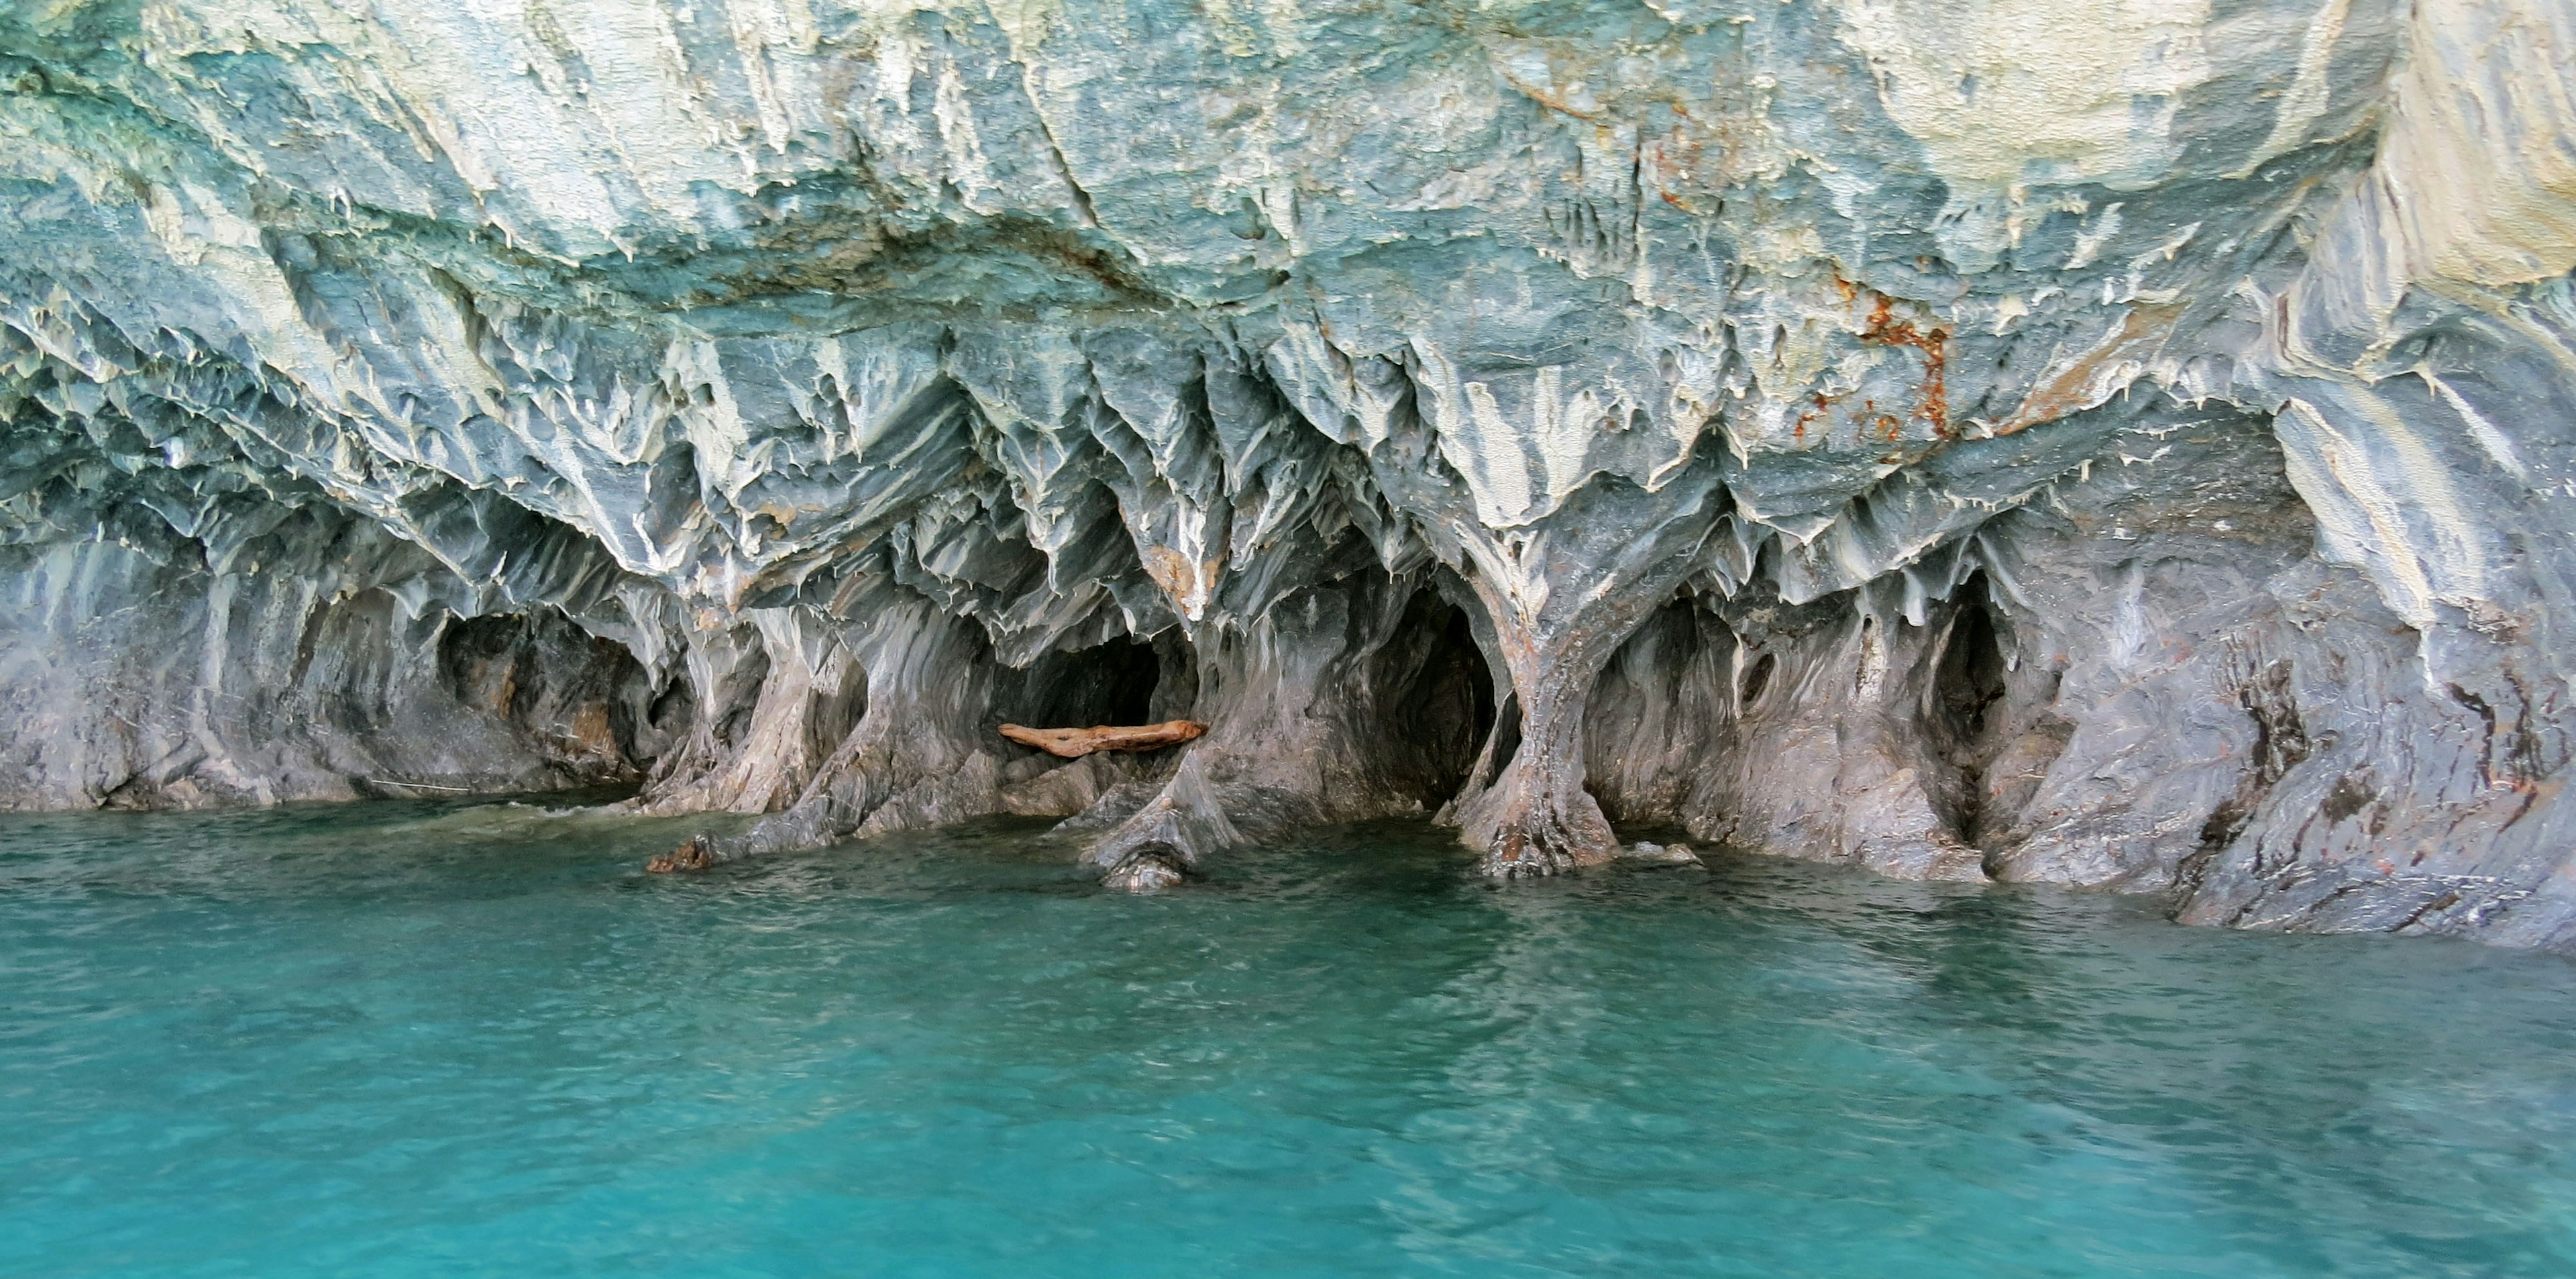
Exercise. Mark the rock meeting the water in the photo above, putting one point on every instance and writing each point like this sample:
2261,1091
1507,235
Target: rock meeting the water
696,854
2031,440
1653,854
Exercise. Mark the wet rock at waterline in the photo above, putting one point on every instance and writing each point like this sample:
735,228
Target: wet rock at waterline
2035,441
1647,853
694,855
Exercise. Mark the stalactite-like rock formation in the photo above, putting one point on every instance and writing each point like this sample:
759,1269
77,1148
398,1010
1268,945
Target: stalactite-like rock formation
2092,442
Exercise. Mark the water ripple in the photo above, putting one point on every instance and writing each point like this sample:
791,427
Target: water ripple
425,1038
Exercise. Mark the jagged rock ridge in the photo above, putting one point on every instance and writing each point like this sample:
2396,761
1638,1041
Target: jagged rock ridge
2103,442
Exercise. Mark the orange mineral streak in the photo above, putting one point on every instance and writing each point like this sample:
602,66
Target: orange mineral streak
1187,582
1074,743
2142,335
1824,406
1885,329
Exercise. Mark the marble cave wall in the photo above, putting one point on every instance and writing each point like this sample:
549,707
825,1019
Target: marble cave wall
2110,442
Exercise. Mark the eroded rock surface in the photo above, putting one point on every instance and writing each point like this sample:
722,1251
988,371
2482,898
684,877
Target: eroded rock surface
2072,440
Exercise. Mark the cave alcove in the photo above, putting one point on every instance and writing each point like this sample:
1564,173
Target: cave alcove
578,699
1433,695
1119,682
1962,717
1756,679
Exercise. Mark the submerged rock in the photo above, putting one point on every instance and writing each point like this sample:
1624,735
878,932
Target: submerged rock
1652,854
1147,871
695,855
2027,440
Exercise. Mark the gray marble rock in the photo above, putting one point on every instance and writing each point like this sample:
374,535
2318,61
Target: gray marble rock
1652,854
2083,441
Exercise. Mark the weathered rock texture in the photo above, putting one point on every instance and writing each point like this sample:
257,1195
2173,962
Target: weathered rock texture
2119,442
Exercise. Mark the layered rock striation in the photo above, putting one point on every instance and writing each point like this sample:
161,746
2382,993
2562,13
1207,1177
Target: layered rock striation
2090,441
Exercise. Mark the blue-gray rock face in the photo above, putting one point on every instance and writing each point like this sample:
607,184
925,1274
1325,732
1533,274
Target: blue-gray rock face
2116,442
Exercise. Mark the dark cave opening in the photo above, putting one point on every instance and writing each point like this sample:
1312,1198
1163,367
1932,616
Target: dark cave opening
1434,697
1660,704
1106,684
1962,716
1757,678
576,699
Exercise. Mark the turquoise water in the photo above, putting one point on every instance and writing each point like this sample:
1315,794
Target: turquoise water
423,1039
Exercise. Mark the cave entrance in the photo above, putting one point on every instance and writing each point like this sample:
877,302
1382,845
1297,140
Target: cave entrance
580,702
1657,710
1961,706
1434,697
1121,682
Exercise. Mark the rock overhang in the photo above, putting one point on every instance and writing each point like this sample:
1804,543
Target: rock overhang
734,333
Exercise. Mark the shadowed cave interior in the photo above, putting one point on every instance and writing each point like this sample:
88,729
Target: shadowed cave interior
1117,683
1435,692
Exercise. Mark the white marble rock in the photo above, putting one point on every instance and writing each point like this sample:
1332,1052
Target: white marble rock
2114,442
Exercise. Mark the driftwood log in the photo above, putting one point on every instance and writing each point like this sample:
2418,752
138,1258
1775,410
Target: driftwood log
1074,743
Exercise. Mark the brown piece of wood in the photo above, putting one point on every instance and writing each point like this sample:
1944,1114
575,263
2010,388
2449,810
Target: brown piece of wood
1074,743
